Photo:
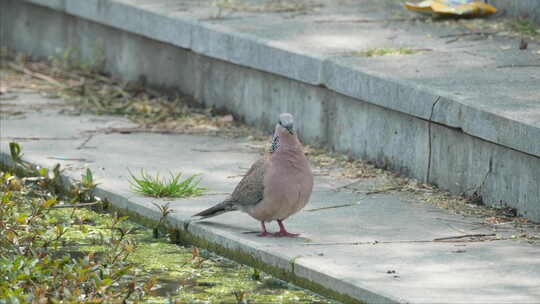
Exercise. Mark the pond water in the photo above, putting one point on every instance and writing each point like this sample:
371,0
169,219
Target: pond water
183,274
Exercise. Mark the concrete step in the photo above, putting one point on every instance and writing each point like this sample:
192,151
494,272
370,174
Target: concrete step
462,113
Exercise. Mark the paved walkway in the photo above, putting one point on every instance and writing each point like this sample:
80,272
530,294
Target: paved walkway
378,248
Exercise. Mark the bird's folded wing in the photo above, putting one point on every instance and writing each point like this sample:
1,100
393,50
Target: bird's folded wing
249,191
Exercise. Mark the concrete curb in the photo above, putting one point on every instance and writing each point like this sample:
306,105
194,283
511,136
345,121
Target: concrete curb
231,246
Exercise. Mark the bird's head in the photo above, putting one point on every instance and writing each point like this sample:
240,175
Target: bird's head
284,131
285,124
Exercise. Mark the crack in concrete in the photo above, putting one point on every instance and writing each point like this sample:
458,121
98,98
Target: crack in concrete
83,144
429,138
460,129
481,185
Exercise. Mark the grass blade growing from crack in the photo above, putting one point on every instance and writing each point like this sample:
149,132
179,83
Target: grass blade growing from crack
174,187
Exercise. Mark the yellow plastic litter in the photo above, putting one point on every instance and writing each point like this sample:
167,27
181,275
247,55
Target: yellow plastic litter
452,7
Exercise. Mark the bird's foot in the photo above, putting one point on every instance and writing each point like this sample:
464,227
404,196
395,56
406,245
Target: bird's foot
285,233
264,233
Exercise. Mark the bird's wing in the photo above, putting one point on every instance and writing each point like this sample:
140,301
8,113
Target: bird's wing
249,191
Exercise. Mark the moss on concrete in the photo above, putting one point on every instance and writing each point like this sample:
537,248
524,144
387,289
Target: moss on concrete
185,273
184,237
245,258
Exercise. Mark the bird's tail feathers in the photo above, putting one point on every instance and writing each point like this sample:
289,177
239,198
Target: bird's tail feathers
218,209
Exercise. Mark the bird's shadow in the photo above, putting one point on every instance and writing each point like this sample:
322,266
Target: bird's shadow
243,230
227,227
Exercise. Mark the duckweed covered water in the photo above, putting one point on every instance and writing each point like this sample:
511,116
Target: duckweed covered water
182,274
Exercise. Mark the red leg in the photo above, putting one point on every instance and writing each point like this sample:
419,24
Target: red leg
264,232
283,231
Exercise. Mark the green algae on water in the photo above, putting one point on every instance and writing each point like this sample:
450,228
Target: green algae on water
183,274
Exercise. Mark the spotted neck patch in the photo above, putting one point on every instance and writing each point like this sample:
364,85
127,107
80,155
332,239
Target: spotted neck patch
275,143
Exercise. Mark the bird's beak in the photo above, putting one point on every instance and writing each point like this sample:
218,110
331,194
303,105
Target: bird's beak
290,129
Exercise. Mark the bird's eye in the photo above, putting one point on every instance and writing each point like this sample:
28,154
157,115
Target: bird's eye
280,123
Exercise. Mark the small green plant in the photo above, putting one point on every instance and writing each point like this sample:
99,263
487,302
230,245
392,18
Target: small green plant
38,262
525,26
15,150
88,179
84,191
72,59
174,187
385,51
256,276
165,210
47,178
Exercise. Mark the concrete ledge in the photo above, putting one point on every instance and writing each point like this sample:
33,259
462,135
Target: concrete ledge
221,240
355,105
383,247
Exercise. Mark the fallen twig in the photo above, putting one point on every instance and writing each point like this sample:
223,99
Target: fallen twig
35,74
368,20
444,239
357,54
463,236
16,138
383,190
76,205
344,186
69,158
216,193
330,207
467,34
365,242
461,222
212,151
321,172
136,130
517,66
33,178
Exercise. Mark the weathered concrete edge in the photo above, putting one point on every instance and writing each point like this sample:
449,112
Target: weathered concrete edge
191,233
216,41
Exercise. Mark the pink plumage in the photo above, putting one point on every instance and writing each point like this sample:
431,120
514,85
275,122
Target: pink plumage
276,186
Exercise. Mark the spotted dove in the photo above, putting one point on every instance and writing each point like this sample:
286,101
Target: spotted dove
276,186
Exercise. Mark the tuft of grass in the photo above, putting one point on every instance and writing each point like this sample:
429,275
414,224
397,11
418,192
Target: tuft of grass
160,187
385,51
525,26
